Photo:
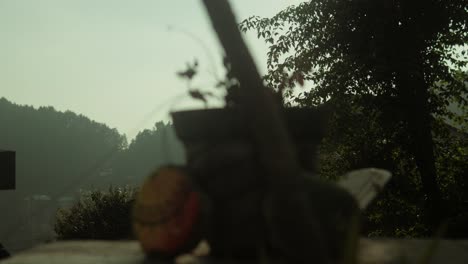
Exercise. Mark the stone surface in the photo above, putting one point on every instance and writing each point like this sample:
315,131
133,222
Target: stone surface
379,251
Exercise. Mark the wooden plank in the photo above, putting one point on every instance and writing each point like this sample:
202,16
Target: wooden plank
7,170
375,251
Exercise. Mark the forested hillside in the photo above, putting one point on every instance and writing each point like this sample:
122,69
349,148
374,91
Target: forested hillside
54,148
59,154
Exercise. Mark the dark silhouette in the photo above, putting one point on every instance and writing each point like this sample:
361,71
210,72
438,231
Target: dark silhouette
98,215
3,252
7,170
393,53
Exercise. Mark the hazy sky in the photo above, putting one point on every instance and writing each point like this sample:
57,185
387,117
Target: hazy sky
112,60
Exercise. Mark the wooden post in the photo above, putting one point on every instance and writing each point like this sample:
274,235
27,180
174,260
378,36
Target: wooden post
7,170
270,134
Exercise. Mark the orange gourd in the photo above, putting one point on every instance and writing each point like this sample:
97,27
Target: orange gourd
167,212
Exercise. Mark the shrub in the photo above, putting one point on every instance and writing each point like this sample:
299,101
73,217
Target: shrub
98,215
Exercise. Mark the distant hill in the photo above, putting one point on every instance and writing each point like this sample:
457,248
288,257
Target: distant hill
58,154
54,149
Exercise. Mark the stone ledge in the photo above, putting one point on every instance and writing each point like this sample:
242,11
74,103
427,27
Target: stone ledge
373,251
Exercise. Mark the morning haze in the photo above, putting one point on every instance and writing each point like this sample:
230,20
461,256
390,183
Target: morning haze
113,61
86,88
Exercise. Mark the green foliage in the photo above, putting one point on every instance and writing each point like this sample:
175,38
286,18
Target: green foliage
387,70
357,140
358,47
98,215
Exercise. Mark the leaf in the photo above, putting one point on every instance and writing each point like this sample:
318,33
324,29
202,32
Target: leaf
365,184
189,74
299,78
196,94
190,71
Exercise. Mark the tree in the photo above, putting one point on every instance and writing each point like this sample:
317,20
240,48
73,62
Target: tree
385,55
98,215
150,149
57,152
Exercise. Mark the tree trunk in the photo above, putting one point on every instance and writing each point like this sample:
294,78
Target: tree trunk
414,95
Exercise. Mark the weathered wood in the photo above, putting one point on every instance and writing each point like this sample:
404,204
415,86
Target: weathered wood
262,112
7,170
373,251
293,220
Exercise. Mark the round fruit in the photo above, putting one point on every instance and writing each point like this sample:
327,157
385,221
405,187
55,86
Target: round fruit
167,213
